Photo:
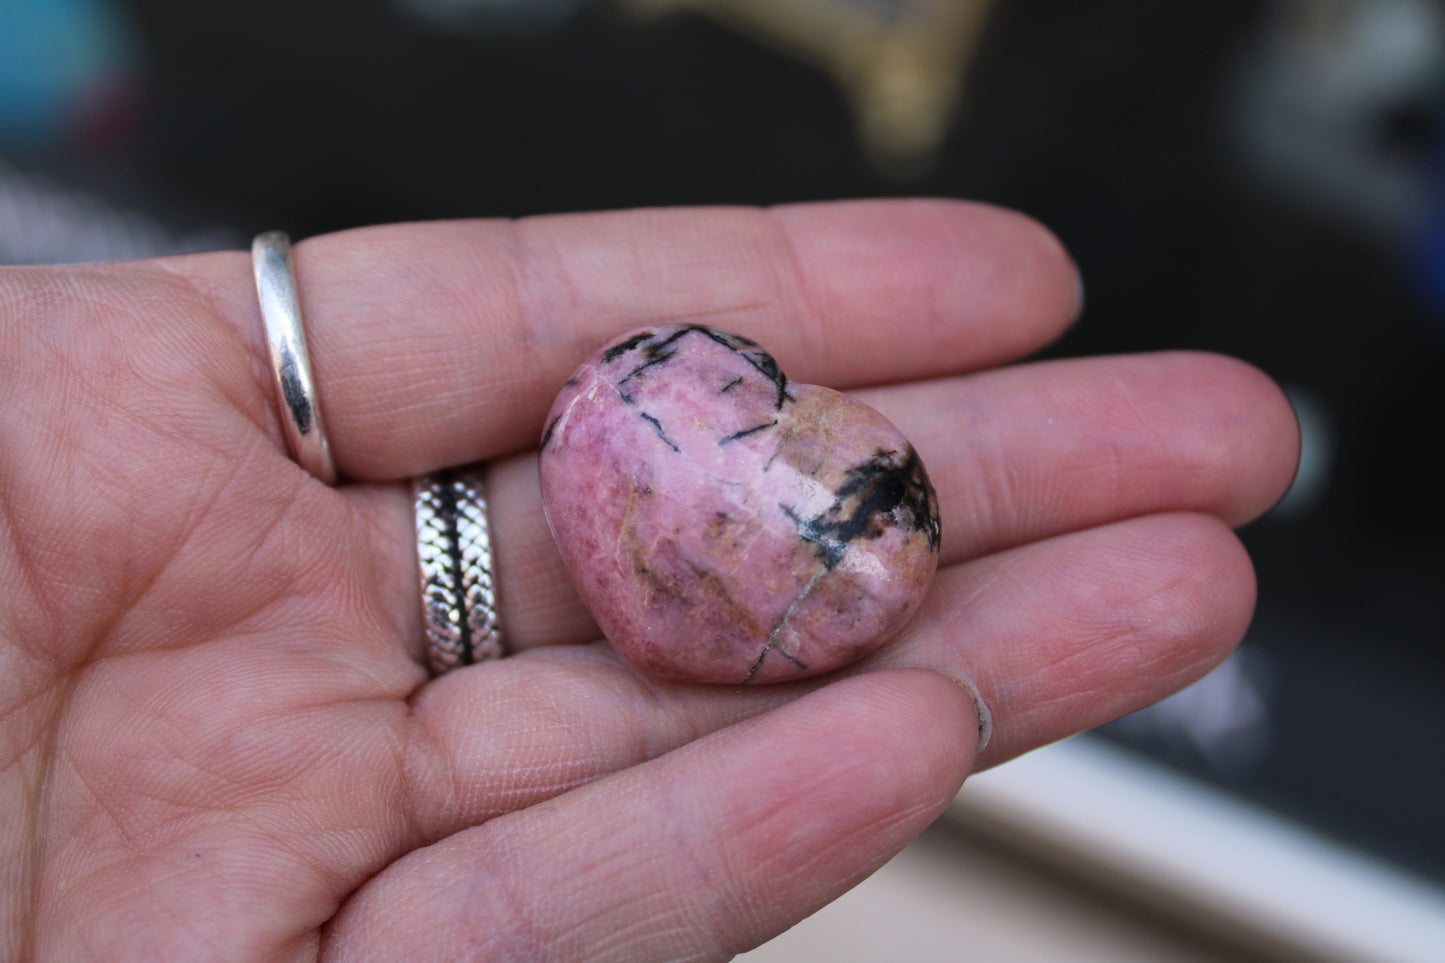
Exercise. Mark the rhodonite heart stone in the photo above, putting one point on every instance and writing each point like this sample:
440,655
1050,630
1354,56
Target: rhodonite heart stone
724,524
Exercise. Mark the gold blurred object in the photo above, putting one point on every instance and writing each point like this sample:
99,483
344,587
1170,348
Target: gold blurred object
901,62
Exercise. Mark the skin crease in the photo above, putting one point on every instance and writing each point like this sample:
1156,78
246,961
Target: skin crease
219,742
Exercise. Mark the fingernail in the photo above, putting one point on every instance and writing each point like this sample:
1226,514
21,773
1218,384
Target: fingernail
980,708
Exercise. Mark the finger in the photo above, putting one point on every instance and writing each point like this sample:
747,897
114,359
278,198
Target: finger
441,344
1028,453
1016,455
697,855
1064,635
1059,636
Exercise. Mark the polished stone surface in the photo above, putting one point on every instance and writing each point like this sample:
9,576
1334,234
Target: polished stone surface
725,524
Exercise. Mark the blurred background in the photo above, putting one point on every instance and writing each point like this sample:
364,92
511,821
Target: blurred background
1264,178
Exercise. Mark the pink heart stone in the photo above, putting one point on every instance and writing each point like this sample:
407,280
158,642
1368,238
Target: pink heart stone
724,524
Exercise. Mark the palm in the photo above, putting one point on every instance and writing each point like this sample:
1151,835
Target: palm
221,739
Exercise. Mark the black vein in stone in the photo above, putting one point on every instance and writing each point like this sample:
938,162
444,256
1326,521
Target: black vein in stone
657,358
767,650
890,488
770,370
776,635
657,427
751,352
656,352
748,431
547,435
622,347
828,548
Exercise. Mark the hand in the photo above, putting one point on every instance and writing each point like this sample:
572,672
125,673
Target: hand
219,740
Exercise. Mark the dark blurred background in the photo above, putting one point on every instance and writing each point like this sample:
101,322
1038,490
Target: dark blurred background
1257,177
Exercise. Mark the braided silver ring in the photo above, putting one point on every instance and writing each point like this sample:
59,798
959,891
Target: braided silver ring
286,341
458,589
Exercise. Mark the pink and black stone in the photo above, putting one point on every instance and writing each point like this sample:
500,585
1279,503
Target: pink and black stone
724,524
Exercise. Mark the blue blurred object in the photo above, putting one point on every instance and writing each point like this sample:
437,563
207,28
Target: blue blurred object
65,75
1430,245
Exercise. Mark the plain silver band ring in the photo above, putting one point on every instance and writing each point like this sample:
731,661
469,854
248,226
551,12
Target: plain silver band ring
286,341
458,586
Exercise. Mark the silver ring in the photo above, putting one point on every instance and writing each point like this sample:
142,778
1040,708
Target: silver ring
458,587
286,340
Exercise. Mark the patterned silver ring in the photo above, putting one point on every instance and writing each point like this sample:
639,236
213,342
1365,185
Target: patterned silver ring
286,341
458,586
